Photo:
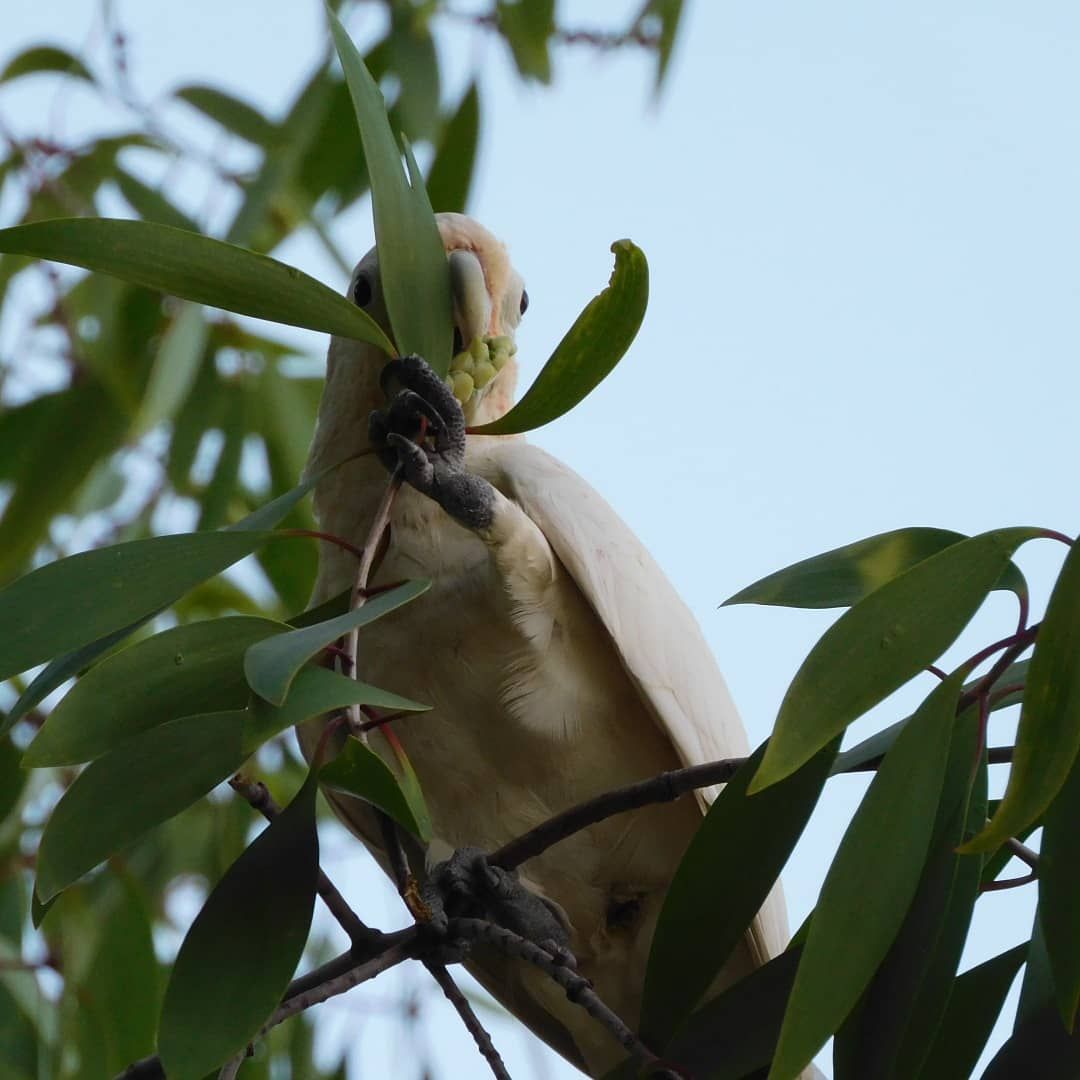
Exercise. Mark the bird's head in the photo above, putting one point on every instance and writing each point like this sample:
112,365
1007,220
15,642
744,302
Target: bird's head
489,300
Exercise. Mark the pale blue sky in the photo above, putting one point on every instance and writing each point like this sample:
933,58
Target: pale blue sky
860,220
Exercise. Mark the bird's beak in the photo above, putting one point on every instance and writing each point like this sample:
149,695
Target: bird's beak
472,304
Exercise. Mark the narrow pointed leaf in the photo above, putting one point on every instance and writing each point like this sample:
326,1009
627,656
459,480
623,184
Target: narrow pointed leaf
412,257
231,113
877,745
149,203
244,946
359,771
176,366
882,642
974,1004
189,669
63,667
315,691
1048,738
197,268
705,912
45,58
1040,1049
450,177
870,884
271,666
592,347
143,782
1059,894
844,576
888,1033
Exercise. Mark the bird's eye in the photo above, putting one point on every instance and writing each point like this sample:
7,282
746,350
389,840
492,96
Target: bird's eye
524,301
361,292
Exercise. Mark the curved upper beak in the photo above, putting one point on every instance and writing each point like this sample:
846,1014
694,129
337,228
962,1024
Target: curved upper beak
472,304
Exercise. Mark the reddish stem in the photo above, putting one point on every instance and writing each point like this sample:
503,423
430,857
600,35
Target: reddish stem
330,538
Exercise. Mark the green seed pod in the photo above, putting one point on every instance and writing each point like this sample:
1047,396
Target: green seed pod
462,385
483,374
501,344
458,361
498,359
478,348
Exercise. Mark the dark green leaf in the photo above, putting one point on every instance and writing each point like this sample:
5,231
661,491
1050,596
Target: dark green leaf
1037,989
150,204
270,666
315,691
706,912
412,257
1040,1049
527,26
450,177
185,670
1048,738
590,350
882,642
413,60
667,13
359,771
140,784
61,669
231,113
73,601
244,945
888,1033
974,1004
196,268
218,493
845,575
1059,894
871,882
121,989
877,744
734,1034
45,58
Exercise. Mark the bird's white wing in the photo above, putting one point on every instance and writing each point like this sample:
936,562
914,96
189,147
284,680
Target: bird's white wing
656,636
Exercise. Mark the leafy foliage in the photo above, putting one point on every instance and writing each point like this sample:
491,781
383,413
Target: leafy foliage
173,412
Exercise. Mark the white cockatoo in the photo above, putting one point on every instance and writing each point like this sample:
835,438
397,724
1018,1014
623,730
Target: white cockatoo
557,656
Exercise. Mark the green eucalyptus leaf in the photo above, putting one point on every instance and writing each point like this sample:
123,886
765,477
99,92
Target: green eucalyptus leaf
316,691
270,666
527,26
45,58
876,745
845,575
149,203
175,369
882,642
1059,894
1048,738
144,781
196,268
451,174
233,114
871,883
237,959
706,913
359,771
62,668
974,1004
72,602
1040,1049
412,258
189,669
888,1033
590,350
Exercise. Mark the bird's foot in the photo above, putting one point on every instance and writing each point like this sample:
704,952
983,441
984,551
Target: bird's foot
467,885
423,430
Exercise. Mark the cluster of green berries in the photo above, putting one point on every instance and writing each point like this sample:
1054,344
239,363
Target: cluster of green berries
473,368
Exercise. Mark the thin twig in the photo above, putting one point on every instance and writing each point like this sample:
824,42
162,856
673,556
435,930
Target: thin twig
1023,853
666,787
469,1018
333,987
361,935
578,989
359,593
